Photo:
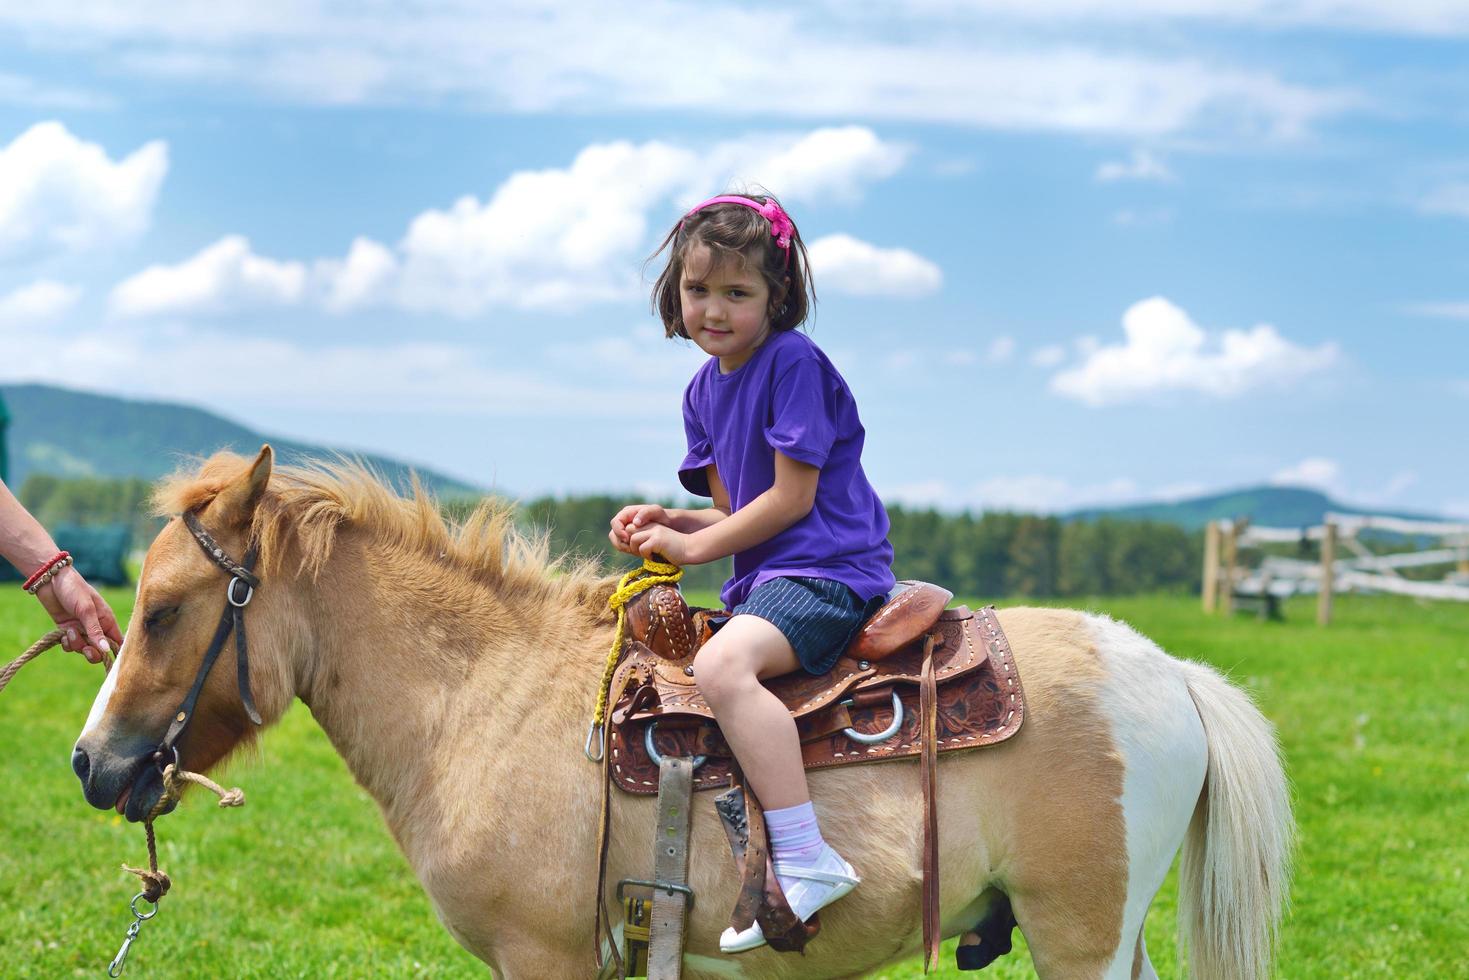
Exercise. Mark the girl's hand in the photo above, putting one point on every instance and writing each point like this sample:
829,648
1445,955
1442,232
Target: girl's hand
77,608
629,520
671,544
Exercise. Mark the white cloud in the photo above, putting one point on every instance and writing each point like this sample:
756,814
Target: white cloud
1313,471
364,278
22,91
1322,473
935,62
566,237
42,300
900,360
558,238
641,356
1171,492
853,266
1452,199
1001,349
1142,165
1442,311
1165,351
162,361
1446,18
925,493
1048,356
60,193
224,277
837,162
1027,493
1141,217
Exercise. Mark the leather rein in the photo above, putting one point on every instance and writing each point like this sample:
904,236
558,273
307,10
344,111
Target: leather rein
241,589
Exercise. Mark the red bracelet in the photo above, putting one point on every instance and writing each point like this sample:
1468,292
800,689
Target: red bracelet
33,583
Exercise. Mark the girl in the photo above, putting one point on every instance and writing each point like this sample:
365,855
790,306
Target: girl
774,439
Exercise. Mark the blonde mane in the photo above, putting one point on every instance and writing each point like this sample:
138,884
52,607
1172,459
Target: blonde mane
305,506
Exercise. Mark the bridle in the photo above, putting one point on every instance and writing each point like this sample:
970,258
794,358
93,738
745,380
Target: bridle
233,620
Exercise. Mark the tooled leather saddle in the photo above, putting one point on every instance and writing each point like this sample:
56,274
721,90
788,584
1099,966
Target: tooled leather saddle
873,689
917,680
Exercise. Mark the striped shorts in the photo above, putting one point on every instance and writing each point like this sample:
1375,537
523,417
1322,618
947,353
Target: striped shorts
819,616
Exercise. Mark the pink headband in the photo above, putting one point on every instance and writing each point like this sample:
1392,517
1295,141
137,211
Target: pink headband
781,225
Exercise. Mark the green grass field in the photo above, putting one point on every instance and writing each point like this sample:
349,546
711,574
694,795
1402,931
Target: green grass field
305,881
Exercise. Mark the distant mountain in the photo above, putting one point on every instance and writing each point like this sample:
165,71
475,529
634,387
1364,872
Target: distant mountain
1267,506
76,433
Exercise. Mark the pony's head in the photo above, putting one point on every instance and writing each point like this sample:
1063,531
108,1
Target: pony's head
183,595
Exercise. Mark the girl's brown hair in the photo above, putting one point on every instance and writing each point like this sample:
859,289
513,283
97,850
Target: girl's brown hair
733,231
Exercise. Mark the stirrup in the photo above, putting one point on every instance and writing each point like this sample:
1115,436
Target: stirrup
753,937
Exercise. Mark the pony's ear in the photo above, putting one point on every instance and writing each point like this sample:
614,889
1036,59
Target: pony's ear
235,504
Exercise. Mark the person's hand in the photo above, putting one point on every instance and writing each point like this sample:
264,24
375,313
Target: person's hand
90,626
630,519
673,545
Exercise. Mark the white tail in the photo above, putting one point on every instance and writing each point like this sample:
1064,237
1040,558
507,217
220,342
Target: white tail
1234,877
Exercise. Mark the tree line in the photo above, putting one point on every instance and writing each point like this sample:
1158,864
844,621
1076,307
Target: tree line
981,556
978,556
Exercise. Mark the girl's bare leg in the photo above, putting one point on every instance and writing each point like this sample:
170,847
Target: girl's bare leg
757,726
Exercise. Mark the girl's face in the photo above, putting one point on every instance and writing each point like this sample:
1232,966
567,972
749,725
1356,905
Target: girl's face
726,307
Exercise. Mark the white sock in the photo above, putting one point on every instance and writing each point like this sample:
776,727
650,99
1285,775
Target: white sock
795,837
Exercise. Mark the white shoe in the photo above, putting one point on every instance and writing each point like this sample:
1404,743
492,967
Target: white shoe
811,889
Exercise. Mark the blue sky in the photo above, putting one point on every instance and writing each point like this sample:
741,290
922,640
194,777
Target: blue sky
1067,253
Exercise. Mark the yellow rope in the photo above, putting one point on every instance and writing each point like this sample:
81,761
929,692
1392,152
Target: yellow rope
634,582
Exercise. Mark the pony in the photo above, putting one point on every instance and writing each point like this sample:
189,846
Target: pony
453,668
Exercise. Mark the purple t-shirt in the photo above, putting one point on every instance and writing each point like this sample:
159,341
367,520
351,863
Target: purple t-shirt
788,396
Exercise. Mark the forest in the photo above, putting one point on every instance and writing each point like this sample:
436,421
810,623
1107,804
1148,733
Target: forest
996,553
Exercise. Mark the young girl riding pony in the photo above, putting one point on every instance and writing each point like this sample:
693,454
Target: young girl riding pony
774,438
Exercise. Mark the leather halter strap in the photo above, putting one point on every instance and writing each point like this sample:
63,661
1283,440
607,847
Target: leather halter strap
238,593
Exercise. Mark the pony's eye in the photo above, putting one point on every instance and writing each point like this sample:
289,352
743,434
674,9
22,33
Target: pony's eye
160,619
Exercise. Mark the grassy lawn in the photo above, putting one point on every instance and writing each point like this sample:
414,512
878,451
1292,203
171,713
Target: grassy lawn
305,881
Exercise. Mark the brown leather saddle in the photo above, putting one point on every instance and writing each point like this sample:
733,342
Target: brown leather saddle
917,680
865,709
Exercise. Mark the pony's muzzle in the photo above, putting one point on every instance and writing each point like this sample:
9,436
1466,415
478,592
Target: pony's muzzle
106,775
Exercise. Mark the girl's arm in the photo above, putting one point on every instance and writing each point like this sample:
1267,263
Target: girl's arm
635,517
785,503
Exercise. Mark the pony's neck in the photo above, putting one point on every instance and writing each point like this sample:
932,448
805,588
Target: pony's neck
432,684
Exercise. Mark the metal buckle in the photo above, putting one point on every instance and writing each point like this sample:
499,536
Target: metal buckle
229,592
667,886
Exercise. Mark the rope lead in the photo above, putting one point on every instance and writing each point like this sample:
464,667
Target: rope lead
637,581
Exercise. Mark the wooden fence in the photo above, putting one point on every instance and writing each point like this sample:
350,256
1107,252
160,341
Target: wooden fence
1345,561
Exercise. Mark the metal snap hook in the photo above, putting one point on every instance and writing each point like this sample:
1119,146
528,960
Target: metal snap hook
593,747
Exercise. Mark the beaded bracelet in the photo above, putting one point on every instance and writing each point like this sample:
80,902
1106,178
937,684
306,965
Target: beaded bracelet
47,572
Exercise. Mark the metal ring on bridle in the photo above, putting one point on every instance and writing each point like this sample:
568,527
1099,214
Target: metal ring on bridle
883,735
164,765
653,753
229,592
